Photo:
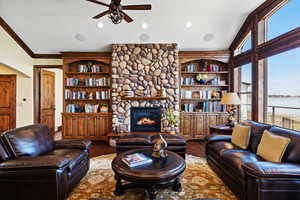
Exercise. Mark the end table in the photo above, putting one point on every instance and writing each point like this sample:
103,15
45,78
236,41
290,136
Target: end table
220,130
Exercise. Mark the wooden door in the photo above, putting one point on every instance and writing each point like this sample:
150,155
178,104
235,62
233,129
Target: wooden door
47,99
7,102
185,124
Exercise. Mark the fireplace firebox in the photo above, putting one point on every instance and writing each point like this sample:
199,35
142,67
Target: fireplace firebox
145,119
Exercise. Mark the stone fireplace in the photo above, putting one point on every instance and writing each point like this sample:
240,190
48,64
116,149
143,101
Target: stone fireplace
144,70
145,119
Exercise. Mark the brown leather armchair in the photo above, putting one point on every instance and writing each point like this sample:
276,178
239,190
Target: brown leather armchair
248,175
34,166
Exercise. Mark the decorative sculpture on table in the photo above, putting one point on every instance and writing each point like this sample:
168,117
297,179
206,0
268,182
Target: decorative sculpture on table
160,148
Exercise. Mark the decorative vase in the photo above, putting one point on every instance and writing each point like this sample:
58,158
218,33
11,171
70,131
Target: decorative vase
172,132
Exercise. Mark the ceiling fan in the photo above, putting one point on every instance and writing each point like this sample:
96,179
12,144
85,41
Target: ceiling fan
115,10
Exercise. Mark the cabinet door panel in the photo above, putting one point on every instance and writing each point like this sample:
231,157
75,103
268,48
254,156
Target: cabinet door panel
198,125
212,120
185,124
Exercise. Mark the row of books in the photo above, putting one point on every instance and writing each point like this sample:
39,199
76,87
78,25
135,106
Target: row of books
214,68
98,95
214,106
191,68
87,108
202,94
89,67
88,82
206,68
188,81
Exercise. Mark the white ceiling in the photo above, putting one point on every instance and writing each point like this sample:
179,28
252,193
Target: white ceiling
51,26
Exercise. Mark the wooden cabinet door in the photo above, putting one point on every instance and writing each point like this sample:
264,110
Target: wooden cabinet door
47,95
199,125
7,102
185,124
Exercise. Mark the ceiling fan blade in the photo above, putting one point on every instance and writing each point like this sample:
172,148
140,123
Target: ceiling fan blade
102,14
126,17
137,7
98,2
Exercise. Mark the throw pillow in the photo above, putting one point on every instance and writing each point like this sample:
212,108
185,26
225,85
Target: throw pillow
272,147
241,136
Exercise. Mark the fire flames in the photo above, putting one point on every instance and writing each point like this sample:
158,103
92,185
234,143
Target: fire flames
146,121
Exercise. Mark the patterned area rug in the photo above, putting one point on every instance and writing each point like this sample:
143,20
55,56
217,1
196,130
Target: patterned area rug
198,181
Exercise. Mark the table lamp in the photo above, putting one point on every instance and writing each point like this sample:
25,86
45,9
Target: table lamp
231,99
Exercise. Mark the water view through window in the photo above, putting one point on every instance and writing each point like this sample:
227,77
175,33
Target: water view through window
284,89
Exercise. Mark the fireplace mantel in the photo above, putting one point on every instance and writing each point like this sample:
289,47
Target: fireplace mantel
144,98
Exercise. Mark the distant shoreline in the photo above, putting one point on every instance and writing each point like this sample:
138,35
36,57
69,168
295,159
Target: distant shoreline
283,96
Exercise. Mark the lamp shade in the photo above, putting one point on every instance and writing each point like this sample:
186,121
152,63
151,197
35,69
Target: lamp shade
231,99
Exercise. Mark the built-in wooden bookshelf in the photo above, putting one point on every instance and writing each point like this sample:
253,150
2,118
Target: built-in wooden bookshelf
87,99
203,83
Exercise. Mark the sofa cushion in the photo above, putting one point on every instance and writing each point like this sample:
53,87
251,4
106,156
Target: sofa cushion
74,155
32,140
217,148
134,139
3,154
272,147
257,130
241,136
234,159
292,153
172,140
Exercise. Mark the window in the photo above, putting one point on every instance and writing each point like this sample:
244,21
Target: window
283,107
283,20
244,88
245,45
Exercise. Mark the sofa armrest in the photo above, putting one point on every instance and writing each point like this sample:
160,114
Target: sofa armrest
272,170
39,162
73,144
220,138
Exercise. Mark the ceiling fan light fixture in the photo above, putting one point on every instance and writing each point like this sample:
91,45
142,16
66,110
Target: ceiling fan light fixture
116,17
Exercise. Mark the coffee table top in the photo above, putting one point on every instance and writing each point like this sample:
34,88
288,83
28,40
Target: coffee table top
160,170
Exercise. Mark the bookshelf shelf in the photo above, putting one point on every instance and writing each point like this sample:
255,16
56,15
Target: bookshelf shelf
87,73
87,98
100,87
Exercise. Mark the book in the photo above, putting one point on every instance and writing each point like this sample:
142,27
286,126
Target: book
136,159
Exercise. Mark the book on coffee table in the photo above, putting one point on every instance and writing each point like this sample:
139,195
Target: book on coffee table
136,159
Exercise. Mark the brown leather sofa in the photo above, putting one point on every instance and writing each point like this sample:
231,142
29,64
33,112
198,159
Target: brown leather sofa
248,175
176,143
34,166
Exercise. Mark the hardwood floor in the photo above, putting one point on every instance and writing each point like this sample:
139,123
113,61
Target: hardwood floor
195,148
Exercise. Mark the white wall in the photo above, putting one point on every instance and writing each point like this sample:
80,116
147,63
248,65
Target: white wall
24,109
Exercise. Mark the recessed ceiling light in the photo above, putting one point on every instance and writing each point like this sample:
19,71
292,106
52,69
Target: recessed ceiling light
145,26
188,24
100,25
80,37
208,37
144,37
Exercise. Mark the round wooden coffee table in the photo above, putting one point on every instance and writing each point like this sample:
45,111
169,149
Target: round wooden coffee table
160,173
